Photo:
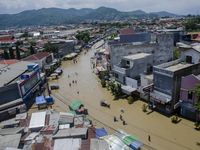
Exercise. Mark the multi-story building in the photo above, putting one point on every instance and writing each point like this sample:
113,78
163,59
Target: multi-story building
161,47
19,83
167,83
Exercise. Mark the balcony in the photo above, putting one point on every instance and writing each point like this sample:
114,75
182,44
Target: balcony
119,70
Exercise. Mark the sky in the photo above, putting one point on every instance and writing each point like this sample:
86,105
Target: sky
181,7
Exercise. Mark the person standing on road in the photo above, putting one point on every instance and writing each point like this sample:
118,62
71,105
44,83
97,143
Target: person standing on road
149,138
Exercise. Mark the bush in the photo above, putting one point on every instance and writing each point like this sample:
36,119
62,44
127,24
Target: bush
197,125
174,119
130,100
144,108
103,83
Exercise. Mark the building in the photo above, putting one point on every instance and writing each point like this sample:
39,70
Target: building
19,83
161,47
177,33
190,53
45,60
65,47
167,83
129,70
128,35
188,97
41,58
6,41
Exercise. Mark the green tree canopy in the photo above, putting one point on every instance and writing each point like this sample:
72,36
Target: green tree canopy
83,36
18,52
11,52
49,47
32,51
6,55
192,24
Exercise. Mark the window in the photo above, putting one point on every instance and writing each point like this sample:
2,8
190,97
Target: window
189,59
190,95
128,62
116,75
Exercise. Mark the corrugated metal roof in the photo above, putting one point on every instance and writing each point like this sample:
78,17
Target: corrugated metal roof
97,144
37,120
71,144
10,72
71,132
10,148
9,131
115,143
9,141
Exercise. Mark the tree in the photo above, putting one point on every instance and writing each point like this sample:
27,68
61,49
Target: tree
197,104
18,52
5,54
103,83
32,51
176,54
130,100
11,52
192,24
48,47
83,36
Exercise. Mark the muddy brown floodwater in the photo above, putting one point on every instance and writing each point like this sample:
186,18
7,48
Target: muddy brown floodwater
164,134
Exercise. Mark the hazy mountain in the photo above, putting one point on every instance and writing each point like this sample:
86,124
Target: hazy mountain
163,14
57,16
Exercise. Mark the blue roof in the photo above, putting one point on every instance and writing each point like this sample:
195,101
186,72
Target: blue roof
100,132
40,100
136,145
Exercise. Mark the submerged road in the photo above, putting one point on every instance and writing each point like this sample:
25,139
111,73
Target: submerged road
164,134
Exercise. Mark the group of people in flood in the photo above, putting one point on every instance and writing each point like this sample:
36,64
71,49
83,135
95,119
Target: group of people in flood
120,117
73,82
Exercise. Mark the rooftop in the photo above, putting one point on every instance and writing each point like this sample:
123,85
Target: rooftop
174,65
9,61
127,31
37,56
10,72
136,56
178,66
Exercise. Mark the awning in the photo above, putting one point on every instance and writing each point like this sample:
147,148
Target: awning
75,105
100,132
160,97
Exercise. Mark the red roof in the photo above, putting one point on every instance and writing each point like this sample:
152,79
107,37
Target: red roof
127,31
37,56
9,61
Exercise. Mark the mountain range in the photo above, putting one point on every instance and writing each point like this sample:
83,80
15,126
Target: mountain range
58,16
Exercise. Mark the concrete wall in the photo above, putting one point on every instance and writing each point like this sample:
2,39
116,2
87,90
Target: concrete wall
139,66
188,83
170,82
193,53
162,50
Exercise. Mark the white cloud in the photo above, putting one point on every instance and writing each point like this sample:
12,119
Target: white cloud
175,6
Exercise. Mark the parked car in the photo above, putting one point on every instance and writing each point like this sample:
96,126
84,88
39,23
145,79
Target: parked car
54,87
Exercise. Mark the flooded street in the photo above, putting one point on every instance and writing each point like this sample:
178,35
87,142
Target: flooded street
164,134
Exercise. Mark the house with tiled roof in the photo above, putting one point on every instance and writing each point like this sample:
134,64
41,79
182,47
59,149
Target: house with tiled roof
41,58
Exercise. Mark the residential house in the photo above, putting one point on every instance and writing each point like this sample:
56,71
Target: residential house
130,68
167,83
187,95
